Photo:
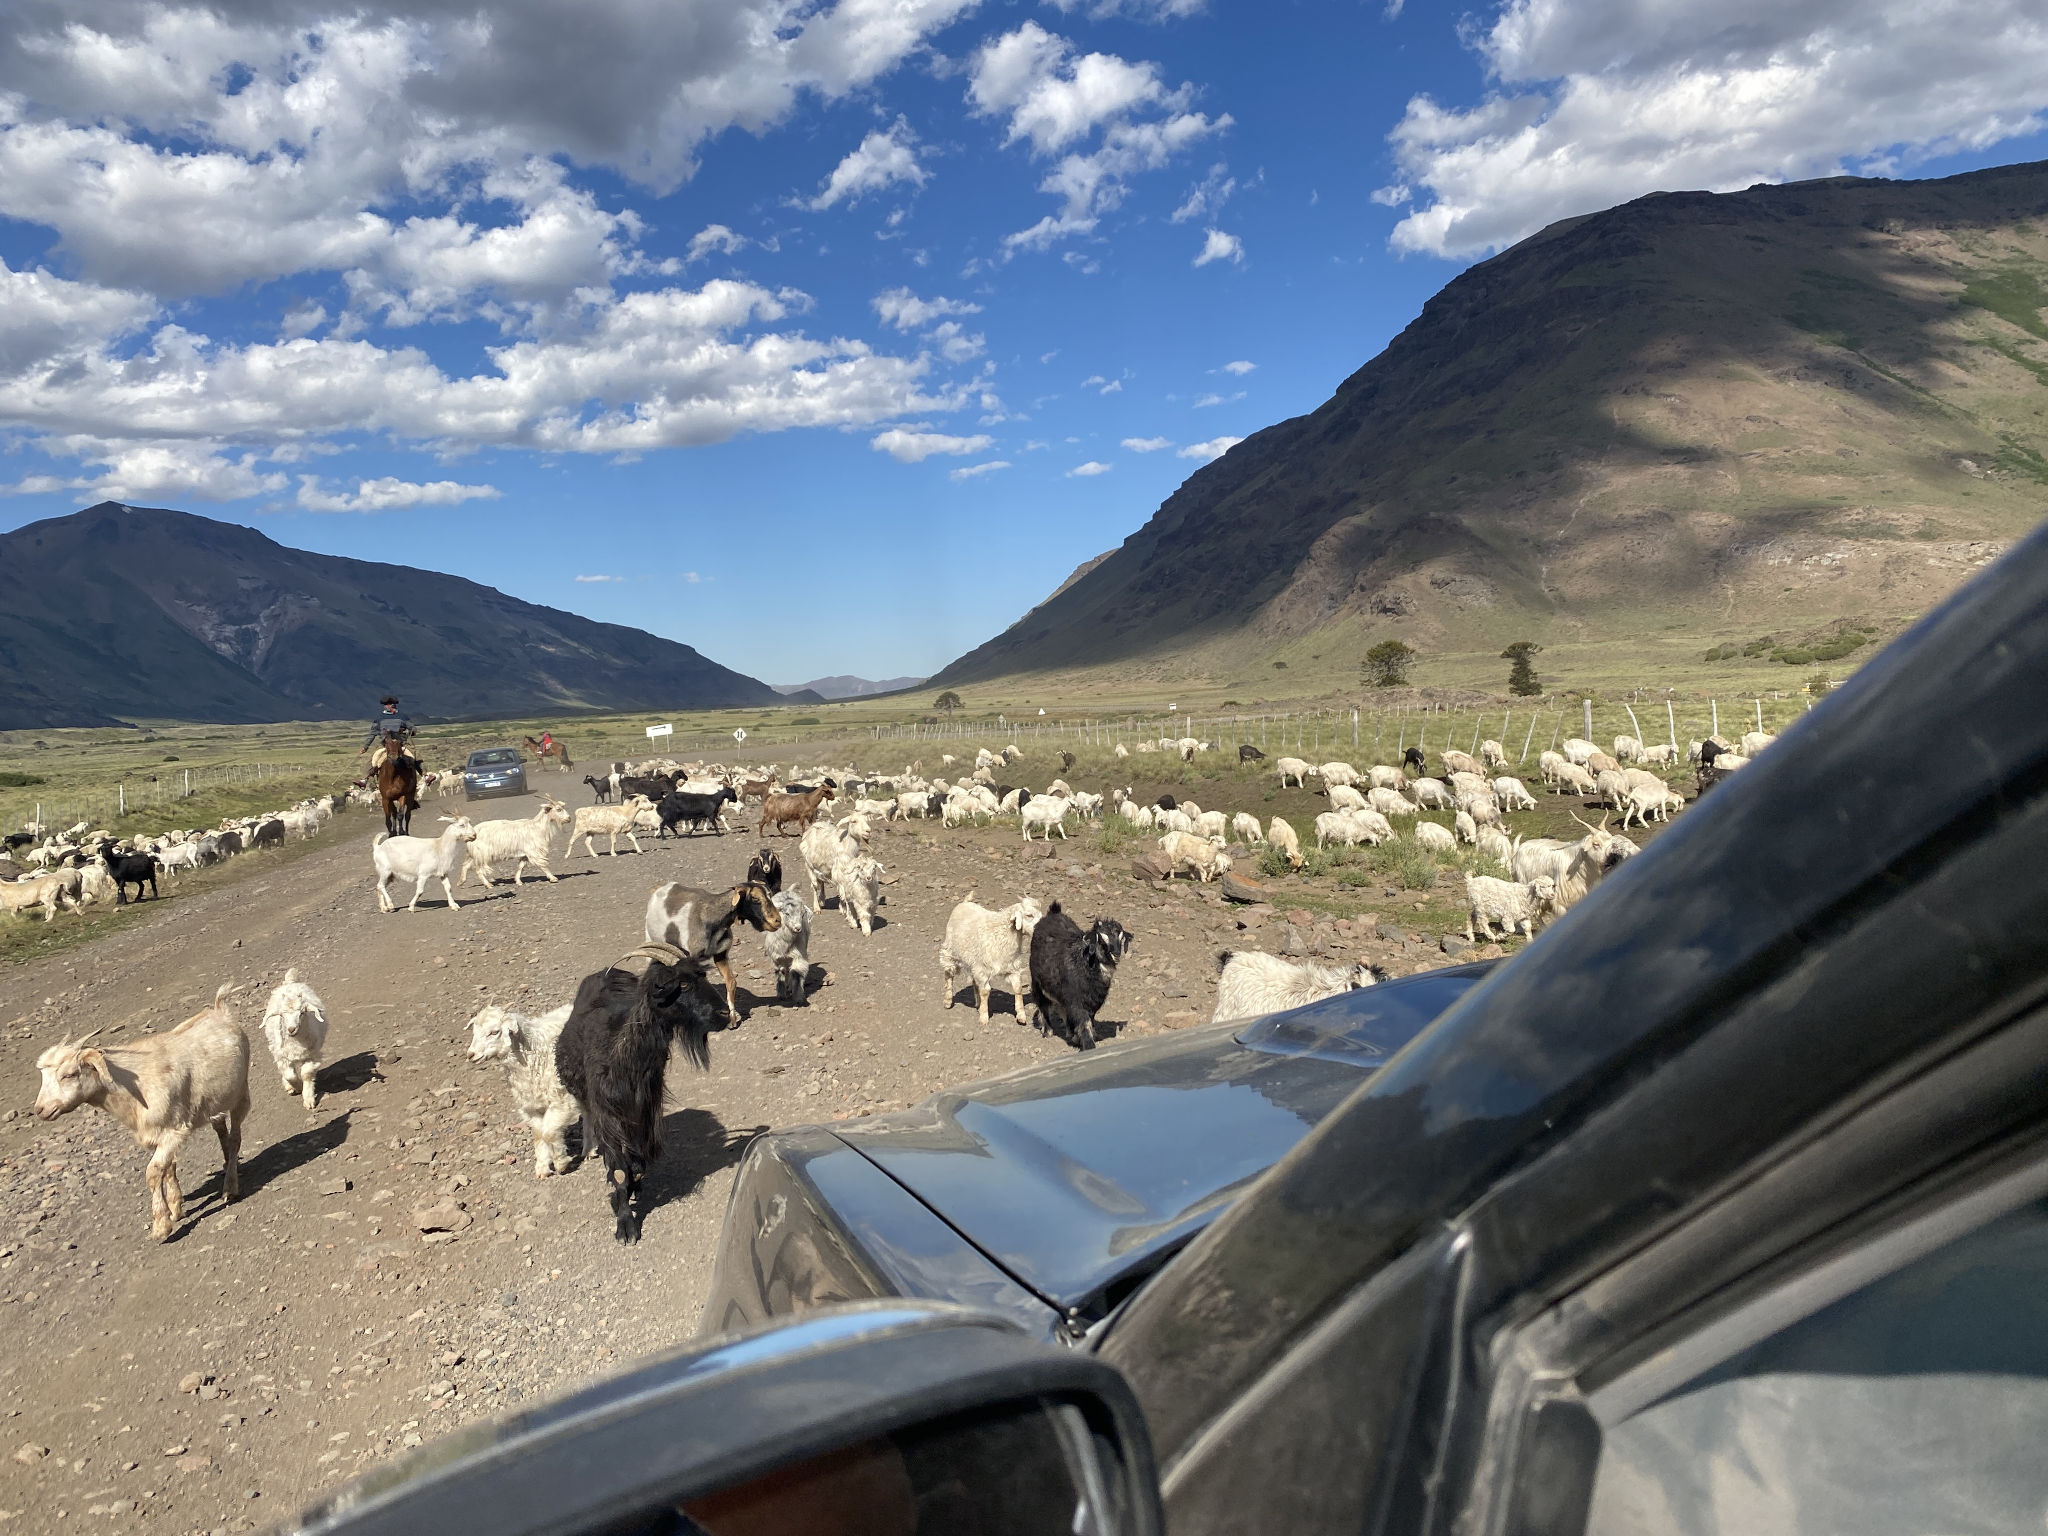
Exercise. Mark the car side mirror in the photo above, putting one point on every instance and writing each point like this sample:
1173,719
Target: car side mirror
888,1419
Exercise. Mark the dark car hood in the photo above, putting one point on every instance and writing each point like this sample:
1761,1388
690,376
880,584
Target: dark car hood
1079,1174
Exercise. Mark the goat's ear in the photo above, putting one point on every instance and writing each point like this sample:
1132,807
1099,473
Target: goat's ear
95,1058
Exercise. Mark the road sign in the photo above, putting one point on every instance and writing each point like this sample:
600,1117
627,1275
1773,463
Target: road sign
739,735
660,730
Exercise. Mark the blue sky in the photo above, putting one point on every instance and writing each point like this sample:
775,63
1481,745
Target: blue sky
829,335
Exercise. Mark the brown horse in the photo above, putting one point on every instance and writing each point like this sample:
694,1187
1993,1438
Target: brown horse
551,749
398,787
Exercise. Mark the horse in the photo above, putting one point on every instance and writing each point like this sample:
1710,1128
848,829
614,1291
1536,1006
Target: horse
398,787
552,749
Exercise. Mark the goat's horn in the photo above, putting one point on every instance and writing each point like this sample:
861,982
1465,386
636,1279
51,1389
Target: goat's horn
654,949
75,1044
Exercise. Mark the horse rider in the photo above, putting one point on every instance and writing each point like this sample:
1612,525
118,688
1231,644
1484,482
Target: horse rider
547,742
389,722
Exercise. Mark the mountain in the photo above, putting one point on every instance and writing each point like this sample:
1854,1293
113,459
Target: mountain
117,612
829,688
1789,408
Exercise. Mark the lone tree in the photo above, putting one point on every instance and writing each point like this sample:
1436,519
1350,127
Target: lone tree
1522,675
948,701
1386,664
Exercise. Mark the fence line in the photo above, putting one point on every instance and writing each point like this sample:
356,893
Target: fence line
67,807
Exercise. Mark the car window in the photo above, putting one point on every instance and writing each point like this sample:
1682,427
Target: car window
494,758
1915,1404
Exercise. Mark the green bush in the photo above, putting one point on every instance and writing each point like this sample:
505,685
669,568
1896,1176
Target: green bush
1407,863
13,780
805,720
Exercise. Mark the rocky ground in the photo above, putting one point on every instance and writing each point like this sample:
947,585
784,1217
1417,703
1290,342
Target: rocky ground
393,1267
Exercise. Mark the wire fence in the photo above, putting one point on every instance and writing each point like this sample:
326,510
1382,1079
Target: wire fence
60,808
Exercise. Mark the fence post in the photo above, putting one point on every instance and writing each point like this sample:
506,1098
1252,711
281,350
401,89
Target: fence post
1759,714
1634,722
1534,716
1589,717
1715,706
1671,720
1354,730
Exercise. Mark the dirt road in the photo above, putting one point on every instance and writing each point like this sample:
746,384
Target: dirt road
216,1381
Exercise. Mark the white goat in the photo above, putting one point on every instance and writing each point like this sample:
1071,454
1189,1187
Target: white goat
1513,905
1346,797
1513,795
859,883
295,1026
1293,768
519,841
1047,811
1245,828
991,946
615,821
1198,855
788,948
1434,836
1282,836
526,1047
162,1088
1250,983
419,859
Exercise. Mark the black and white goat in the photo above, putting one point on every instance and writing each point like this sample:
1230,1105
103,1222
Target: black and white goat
765,870
1071,972
699,924
136,869
612,1057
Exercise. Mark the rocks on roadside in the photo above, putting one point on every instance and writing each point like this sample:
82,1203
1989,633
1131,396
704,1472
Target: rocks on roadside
1248,891
30,1453
1149,869
447,1216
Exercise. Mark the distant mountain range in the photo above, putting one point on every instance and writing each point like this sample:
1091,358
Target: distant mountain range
1692,417
822,690
119,612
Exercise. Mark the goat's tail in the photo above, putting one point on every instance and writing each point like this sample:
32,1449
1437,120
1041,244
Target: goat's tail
566,763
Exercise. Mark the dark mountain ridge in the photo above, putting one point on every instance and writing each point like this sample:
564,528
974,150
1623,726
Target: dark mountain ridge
121,612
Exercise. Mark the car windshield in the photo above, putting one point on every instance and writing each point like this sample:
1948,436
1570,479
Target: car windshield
496,757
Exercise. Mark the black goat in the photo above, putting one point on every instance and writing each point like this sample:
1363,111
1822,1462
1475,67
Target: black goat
229,844
652,785
16,840
1247,753
765,870
1166,802
136,869
1414,760
602,788
675,808
1071,972
613,1057
269,834
1066,760
1709,750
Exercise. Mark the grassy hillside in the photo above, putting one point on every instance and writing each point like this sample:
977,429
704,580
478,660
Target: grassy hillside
1688,423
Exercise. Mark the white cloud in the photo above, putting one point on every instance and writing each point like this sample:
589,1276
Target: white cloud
883,159
1203,403
971,471
1215,448
1207,197
1601,102
955,344
388,493
1092,468
1240,367
147,471
907,312
1147,444
1103,386
1218,246
912,446
715,237
1137,10
694,579
1054,97
600,578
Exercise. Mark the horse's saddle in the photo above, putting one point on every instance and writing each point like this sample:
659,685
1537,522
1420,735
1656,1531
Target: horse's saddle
382,754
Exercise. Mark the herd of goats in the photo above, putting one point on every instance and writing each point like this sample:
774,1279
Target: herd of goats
602,1058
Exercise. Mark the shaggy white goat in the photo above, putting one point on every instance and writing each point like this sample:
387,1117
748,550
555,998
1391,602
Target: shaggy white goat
1511,904
420,860
295,1026
1251,983
991,946
526,1047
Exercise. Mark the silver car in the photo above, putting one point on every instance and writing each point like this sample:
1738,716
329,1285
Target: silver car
493,771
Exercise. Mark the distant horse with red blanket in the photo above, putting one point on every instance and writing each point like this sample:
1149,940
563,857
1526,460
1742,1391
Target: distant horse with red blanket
548,747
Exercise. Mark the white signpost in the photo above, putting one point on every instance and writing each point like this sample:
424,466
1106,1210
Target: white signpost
739,735
660,730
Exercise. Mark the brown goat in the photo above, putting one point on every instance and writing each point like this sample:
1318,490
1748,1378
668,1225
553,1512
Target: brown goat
162,1088
800,809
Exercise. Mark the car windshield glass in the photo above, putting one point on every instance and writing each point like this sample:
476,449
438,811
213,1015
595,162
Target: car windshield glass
497,758
1368,1024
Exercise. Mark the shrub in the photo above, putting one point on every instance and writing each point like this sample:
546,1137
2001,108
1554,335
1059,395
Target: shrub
1387,664
805,720
1407,864
12,780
